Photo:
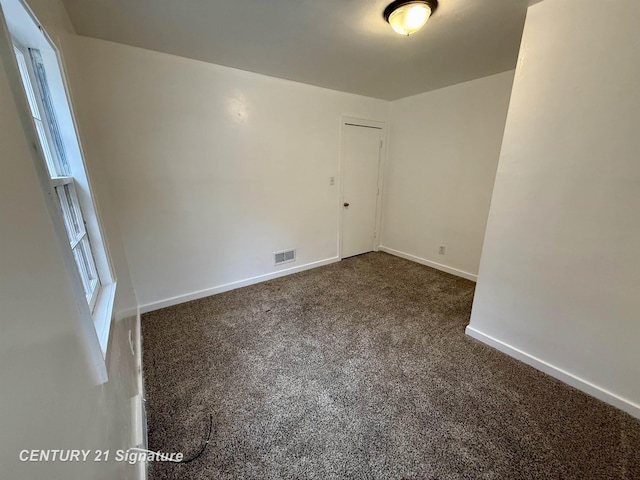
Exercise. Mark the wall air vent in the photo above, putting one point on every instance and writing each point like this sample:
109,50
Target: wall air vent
285,256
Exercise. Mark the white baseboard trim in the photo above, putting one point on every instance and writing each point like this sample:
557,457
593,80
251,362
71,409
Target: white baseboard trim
429,263
138,356
587,387
149,307
139,412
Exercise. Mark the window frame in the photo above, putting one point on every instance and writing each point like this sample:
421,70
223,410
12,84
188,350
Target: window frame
18,25
74,209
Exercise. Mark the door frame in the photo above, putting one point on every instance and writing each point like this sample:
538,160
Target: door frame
362,122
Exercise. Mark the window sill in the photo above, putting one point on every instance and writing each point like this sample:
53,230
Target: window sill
102,315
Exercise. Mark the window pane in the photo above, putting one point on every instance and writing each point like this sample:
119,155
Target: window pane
78,254
88,266
24,74
51,166
88,258
79,240
71,212
62,166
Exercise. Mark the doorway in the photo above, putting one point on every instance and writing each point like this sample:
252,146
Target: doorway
360,173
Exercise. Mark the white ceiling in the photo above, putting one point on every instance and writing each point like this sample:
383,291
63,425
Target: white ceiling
339,44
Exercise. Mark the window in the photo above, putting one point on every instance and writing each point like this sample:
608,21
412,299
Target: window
40,89
34,80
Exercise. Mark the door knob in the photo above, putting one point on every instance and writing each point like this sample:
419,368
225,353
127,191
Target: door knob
346,204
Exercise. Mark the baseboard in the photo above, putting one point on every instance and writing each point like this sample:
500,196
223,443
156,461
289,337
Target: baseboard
149,307
140,417
138,357
562,375
429,263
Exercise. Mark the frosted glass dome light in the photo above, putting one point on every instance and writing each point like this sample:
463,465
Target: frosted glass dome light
407,17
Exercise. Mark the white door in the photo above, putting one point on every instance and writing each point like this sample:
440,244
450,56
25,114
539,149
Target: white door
361,158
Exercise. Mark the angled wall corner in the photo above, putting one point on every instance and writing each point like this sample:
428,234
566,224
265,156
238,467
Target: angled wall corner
443,155
560,269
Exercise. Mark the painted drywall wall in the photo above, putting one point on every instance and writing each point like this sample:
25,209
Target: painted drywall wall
49,397
560,270
53,14
212,169
443,157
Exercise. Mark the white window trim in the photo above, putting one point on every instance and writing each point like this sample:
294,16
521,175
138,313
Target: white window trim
73,209
99,318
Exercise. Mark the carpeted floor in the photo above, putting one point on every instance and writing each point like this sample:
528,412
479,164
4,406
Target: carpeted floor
362,370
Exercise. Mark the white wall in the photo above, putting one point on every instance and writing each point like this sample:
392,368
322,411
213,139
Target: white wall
49,398
443,157
212,169
560,272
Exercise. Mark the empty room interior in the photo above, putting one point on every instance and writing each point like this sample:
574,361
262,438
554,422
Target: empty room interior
366,239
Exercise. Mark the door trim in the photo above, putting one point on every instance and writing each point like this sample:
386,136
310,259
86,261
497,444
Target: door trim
362,122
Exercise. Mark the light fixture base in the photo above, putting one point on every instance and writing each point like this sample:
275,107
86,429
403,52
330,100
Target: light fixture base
398,4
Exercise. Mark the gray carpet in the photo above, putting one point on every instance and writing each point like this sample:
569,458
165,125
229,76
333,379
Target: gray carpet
362,370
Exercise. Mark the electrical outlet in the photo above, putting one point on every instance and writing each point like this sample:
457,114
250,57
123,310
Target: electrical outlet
442,249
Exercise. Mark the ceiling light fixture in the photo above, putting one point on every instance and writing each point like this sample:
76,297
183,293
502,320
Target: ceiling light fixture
409,16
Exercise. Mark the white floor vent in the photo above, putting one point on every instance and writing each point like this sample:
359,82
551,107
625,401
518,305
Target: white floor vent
285,256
